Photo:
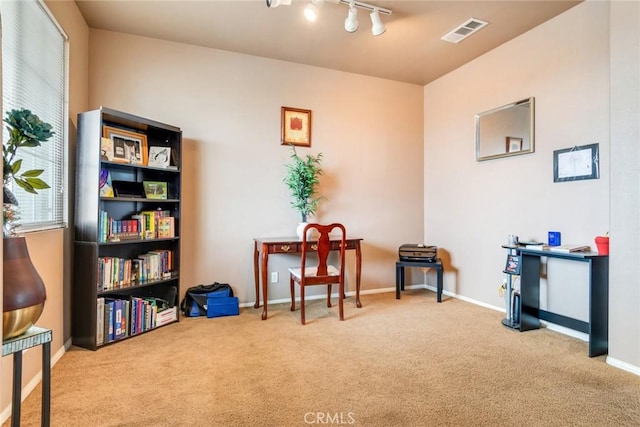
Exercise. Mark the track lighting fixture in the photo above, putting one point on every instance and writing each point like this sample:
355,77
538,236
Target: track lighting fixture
377,27
312,10
276,3
351,23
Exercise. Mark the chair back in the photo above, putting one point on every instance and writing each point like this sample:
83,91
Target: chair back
322,246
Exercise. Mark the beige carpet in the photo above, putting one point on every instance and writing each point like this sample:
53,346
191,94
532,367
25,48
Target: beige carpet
411,362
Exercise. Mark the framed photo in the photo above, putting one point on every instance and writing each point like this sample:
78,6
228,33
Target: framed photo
577,163
296,127
128,147
514,144
106,149
159,157
513,265
155,189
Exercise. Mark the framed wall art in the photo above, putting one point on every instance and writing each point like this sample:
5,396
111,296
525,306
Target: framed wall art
514,144
296,127
128,147
577,163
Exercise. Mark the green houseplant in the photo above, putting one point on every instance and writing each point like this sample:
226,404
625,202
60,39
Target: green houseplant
302,179
25,130
24,293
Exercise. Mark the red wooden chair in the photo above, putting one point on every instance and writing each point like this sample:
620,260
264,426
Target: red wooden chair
319,273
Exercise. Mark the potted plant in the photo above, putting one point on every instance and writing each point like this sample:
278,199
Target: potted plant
302,179
24,293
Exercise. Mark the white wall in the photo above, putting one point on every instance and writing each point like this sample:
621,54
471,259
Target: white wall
624,296
474,206
228,106
471,207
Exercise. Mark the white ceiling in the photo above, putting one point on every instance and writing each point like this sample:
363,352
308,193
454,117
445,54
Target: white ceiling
409,51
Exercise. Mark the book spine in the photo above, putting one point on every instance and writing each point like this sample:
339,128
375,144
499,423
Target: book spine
100,321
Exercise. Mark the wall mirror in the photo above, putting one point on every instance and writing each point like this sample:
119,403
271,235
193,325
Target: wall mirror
505,131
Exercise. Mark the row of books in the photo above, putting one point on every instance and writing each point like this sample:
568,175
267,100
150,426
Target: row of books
119,318
118,273
158,224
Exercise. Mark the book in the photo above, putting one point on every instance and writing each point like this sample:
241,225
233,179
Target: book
570,248
159,156
100,321
166,227
155,189
539,246
106,187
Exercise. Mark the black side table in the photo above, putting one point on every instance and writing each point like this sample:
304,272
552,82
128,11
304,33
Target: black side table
400,265
34,336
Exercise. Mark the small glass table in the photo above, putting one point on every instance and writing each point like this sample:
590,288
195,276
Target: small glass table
34,337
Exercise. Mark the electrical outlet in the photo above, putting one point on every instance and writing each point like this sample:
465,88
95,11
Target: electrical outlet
274,277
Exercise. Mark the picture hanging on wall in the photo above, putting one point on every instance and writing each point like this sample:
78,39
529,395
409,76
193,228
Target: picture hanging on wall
577,163
296,126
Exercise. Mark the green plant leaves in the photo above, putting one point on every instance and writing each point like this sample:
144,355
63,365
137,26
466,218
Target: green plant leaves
302,180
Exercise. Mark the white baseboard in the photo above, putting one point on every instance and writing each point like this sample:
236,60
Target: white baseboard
623,365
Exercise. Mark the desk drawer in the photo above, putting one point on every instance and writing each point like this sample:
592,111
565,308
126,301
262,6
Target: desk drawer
288,248
349,244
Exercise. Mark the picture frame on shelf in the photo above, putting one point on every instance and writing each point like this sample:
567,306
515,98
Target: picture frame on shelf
159,157
513,265
128,147
106,149
155,190
296,126
513,144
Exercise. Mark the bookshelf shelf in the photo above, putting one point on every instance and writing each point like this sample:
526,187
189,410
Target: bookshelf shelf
123,288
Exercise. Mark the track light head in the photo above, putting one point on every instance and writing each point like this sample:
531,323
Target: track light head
351,23
276,3
377,27
312,10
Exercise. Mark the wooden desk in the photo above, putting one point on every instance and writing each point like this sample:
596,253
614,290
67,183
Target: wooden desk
292,245
530,313
34,336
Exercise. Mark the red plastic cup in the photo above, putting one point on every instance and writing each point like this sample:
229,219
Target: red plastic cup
602,243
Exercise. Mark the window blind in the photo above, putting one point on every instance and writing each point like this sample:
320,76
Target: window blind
34,77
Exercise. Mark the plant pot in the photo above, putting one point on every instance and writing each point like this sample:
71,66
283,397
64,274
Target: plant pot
24,292
602,243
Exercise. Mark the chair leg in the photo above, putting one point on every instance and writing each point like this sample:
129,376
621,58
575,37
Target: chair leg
293,295
302,303
341,300
328,295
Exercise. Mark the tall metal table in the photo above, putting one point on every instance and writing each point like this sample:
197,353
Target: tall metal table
34,337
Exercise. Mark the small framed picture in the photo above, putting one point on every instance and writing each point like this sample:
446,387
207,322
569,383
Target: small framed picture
296,127
514,144
106,149
159,157
576,163
128,147
513,265
155,189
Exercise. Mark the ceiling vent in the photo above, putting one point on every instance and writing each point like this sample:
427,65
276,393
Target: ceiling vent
463,31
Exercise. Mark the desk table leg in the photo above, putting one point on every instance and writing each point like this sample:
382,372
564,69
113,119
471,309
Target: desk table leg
46,384
265,262
439,289
399,279
17,389
358,273
256,273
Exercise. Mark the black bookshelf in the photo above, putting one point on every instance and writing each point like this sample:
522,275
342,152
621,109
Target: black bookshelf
97,239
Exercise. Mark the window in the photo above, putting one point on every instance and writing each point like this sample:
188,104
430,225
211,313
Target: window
34,77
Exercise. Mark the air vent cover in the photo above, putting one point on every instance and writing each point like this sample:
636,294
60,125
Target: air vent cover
463,31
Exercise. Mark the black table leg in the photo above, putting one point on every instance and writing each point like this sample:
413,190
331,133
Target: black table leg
17,389
46,384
